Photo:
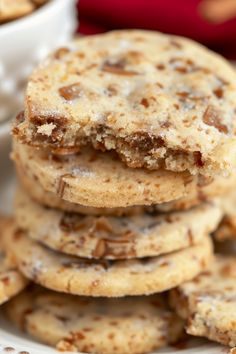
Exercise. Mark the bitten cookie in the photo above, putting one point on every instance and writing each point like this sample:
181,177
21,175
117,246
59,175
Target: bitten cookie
98,179
158,100
80,276
11,281
107,237
208,302
107,326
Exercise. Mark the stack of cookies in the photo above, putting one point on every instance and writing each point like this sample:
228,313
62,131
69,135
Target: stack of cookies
125,151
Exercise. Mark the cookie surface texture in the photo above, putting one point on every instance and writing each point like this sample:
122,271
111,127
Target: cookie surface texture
80,276
109,326
157,99
117,237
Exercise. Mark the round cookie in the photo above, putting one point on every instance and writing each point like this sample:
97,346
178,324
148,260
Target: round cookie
12,9
110,326
208,302
49,199
80,276
11,281
107,237
205,191
227,227
98,179
157,99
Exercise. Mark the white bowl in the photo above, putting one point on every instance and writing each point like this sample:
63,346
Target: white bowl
26,41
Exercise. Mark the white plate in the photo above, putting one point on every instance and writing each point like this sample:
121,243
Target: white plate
9,336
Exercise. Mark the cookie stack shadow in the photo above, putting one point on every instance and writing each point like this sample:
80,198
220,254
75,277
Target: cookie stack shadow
108,217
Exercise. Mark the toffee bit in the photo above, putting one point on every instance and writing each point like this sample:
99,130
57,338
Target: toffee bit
181,69
100,249
61,52
62,185
212,117
112,90
144,102
70,92
219,93
182,94
117,68
166,124
160,66
198,158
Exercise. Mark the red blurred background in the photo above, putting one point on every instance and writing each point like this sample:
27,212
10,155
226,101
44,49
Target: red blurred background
211,22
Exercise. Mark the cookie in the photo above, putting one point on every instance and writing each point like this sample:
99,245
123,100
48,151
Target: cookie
98,179
227,227
110,237
11,281
80,276
12,9
208,302
49,199
159,100
109,326
204,191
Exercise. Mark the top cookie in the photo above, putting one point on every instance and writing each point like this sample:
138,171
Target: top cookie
158,100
